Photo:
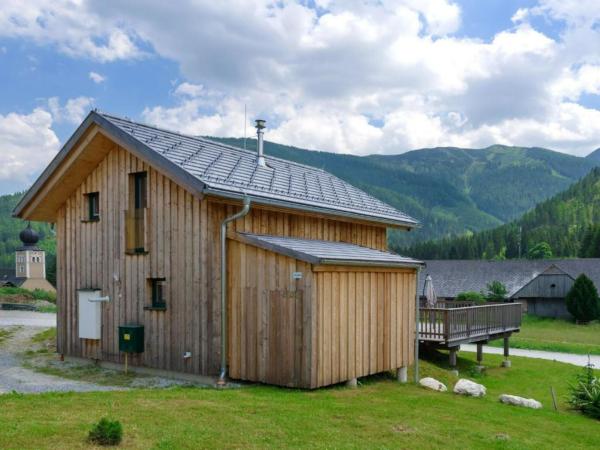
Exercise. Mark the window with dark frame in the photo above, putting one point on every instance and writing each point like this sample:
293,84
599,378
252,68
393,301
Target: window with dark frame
139,187
157,294
93,204
136,214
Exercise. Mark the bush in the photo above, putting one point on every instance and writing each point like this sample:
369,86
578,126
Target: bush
470,296
582,300
496,292
106,432
585,393
40,294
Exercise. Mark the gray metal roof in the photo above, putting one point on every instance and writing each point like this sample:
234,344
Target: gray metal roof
227,170
327,252
451,277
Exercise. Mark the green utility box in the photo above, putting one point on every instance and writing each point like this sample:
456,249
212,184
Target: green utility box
131,338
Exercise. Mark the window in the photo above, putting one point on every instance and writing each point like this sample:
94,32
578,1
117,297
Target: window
136,214
93,205
157,294
139,191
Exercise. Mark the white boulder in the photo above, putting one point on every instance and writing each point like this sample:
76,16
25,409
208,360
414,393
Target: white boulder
467,387
433,384
520,401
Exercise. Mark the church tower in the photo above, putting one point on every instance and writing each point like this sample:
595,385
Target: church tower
30,260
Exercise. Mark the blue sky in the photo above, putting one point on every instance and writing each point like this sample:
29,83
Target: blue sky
354,76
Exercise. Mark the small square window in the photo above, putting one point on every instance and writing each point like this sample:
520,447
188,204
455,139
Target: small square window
93,203
157,294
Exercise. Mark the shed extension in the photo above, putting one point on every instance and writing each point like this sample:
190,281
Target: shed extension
309,313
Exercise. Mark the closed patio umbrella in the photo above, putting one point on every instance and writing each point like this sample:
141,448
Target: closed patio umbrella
429,292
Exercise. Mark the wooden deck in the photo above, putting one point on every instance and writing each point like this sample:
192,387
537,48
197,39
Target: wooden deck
450,324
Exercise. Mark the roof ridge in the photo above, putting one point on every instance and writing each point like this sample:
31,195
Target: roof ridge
205,139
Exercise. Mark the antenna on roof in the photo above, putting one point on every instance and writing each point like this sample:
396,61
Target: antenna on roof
244,126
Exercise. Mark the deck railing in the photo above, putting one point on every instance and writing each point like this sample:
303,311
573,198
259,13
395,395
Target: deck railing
447,324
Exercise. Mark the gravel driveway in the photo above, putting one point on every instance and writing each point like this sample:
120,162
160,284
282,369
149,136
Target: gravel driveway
13,377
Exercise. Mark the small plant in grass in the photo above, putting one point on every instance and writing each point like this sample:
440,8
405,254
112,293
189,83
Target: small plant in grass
582,300
106,432
470,296
585,393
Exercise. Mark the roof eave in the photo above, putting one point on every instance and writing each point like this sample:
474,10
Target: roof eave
315,209
125,140
343,262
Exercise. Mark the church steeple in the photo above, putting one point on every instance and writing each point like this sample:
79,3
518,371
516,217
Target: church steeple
29,237
30,260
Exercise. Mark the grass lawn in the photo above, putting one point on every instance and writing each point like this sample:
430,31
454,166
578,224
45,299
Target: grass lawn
538,333
379,414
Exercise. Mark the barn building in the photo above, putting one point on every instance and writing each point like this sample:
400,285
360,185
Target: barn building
184,254
539,285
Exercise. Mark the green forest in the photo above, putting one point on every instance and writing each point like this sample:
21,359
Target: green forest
9,237
567,225
452,191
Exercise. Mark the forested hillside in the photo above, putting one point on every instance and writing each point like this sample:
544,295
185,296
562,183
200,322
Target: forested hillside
9,236
569,223
450,190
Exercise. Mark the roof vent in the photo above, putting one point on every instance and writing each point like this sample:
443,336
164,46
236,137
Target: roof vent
260,126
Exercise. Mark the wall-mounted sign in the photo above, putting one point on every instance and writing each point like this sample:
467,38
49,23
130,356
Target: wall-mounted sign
296,275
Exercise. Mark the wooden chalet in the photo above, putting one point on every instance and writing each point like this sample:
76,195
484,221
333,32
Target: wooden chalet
301,291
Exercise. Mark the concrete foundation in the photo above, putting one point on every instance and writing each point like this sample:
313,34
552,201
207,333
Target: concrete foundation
402,374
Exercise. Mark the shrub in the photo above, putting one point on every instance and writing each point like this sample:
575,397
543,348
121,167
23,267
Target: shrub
40,294
106,432
582,300
496,292
585,393
470,296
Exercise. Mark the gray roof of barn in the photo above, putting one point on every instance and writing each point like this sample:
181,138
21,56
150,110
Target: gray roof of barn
233,172
326,252
451,277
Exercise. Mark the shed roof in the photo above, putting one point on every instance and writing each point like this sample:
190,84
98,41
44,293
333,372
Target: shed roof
218,169
451,277
327,252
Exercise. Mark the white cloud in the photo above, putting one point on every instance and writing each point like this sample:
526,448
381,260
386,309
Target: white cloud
71,26
360,76
97,78
27,144
73,111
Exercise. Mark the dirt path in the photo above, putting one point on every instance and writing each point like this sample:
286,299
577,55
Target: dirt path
27,318
14,377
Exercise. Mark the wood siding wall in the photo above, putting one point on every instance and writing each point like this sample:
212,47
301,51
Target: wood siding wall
365,322
270,317
183,237
541,287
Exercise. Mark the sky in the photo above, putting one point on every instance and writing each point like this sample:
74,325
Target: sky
359,77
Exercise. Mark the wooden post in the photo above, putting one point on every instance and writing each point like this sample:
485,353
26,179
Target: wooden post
452,355
506,362
479,353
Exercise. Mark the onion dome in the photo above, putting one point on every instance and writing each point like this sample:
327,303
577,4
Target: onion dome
29,237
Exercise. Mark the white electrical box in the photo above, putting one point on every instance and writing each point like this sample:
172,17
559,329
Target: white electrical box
90,314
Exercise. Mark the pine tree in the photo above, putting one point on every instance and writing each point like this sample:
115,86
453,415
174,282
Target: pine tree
582,300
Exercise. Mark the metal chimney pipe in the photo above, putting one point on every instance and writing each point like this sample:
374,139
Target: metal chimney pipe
260,126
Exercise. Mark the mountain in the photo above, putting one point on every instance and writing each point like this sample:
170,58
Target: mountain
569,223
9,236
594,156
450,190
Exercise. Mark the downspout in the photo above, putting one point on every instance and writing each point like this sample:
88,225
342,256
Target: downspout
417,333
238,215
